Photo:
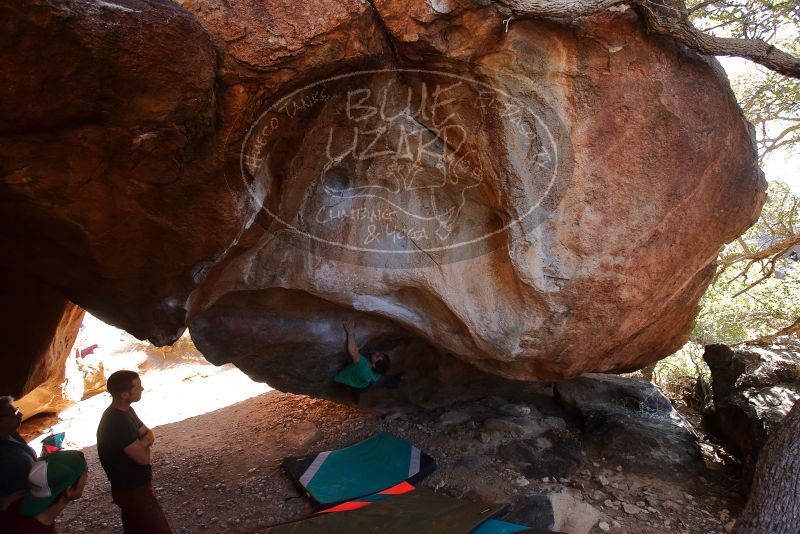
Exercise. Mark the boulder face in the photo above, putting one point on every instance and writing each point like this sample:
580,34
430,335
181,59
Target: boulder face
39,328
530,199
754,388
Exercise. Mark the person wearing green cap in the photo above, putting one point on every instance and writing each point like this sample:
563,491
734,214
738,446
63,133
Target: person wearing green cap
53,482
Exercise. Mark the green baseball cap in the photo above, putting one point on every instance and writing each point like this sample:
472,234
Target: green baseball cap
49,478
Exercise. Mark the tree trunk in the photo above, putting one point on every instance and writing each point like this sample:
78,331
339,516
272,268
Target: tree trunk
666,17
774,504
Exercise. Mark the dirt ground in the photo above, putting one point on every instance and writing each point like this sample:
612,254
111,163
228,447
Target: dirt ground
220,439
220,472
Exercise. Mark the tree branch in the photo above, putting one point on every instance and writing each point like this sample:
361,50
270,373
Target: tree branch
669,20
791,330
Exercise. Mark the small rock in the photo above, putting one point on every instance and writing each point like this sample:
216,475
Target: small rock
454,417
573,515
602,480
515,410
619,469
521,481
485,438
672,505
517,426
556,423
631,509
605,527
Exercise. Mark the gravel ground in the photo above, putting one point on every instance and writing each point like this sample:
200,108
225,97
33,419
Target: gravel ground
220,471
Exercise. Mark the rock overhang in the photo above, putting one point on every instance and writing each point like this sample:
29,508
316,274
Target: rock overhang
654,170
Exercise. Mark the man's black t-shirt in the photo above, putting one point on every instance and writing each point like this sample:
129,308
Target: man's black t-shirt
117,430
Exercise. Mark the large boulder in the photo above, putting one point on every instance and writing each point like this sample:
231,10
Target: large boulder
630,422
532,200
38,329
754,388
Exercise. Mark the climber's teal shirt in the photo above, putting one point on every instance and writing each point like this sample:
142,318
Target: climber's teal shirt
359,375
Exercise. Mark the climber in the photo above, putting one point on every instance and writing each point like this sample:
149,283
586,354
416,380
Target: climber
364,371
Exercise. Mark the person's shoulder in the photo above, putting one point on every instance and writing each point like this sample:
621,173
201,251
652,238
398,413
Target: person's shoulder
111,416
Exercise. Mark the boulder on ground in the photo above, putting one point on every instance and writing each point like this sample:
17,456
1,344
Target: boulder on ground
753,387
534,200
631,423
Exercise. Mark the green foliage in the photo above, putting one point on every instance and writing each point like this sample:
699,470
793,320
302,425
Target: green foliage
755,297
774,21
771,102
678,374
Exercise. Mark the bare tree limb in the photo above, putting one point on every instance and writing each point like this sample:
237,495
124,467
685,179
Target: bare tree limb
791,330
781,247
669,20
771,253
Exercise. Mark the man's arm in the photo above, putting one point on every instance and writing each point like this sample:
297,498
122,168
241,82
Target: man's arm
146,436
352,348
138,452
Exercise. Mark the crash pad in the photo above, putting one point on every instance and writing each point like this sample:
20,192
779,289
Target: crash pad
371,466
419,512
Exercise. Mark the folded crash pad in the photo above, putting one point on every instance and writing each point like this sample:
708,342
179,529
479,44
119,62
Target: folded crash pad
419,512
403,487
380,462
52,443
490,526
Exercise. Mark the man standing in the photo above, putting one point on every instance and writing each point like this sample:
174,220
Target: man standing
16,458
123,445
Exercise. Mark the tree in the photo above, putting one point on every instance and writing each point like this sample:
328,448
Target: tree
755,293
770,101
672,18
774,503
